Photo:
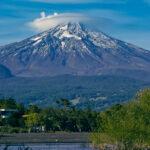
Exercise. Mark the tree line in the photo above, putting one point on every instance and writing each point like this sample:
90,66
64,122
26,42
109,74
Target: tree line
124,127
49,119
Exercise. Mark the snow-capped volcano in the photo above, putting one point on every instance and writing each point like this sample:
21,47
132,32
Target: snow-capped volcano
74,49
78,32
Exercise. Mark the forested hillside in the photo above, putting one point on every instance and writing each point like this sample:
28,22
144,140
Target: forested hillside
99,91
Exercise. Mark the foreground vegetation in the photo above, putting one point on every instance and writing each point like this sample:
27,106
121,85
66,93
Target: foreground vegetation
125,126
35,119
122,126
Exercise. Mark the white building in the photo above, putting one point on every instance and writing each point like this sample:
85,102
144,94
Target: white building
4,113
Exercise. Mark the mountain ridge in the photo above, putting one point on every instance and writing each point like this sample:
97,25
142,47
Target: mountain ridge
76,50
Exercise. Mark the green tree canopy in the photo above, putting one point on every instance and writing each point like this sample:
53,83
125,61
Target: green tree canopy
8,104
127,125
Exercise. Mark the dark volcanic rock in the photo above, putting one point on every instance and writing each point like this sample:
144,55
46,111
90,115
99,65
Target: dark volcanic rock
77,50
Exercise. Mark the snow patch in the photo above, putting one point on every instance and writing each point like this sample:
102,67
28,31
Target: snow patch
104,43
36,38
85,49
64,28
15,54
84,46
56,34
34,51
39,37
37,42
63,44
68,35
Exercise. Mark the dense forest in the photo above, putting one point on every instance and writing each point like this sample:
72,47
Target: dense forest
100,91
124,126
35,119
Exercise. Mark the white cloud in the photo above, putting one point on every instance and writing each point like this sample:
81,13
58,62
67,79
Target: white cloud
43,14
47,22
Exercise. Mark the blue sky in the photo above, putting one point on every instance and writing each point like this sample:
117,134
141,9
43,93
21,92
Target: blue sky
128,20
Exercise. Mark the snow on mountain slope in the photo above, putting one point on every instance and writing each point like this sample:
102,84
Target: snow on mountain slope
74,49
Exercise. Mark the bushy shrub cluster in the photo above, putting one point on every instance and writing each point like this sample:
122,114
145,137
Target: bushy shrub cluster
126,126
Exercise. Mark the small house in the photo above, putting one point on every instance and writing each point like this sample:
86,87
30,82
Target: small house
4,113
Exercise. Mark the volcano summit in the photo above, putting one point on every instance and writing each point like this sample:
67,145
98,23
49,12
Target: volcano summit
75,49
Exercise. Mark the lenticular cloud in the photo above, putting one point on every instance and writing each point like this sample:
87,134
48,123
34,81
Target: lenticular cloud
47,22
